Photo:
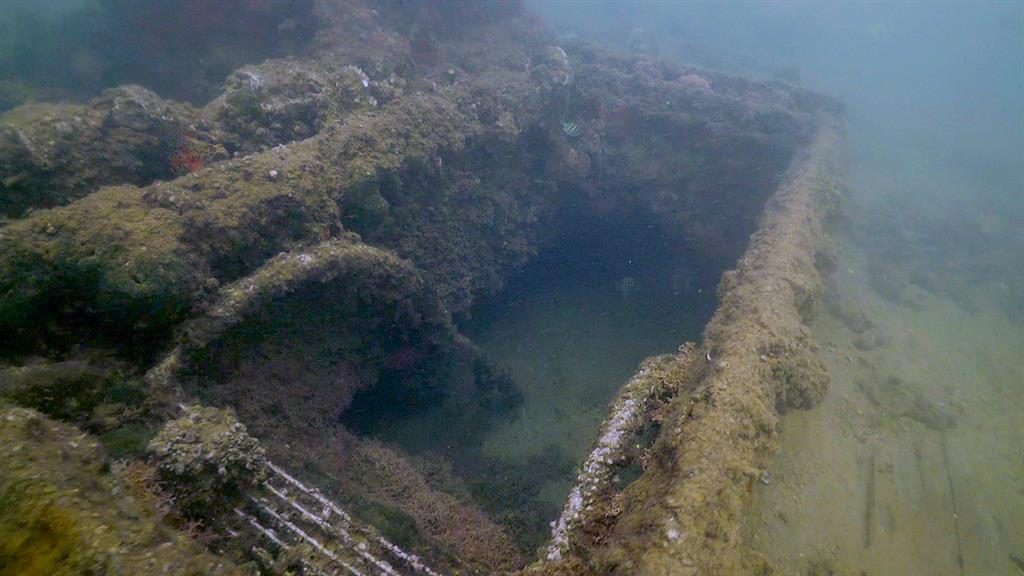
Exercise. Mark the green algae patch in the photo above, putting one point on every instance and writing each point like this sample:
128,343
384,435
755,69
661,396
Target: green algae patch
65,390
129,441
63,511
101,267
38,535
91,392
394,524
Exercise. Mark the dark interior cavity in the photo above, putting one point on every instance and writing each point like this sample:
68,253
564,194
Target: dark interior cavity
526,392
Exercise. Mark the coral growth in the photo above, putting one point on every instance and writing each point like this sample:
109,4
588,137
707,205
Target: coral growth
205,457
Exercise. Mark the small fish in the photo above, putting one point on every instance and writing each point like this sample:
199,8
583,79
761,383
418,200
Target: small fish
571,129
626,286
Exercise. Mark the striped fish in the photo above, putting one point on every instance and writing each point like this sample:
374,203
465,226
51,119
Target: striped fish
571,129
625,286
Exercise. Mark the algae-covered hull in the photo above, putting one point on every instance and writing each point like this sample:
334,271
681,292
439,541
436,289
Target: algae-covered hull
325,227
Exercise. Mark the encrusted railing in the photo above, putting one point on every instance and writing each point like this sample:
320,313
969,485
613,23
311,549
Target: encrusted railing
657,382
286,513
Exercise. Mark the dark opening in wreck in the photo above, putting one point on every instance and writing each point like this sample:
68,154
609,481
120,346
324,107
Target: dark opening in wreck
515,418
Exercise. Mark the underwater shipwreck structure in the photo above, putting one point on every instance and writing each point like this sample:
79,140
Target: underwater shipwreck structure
202,290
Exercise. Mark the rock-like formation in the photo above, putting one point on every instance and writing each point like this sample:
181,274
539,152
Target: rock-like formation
53,154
